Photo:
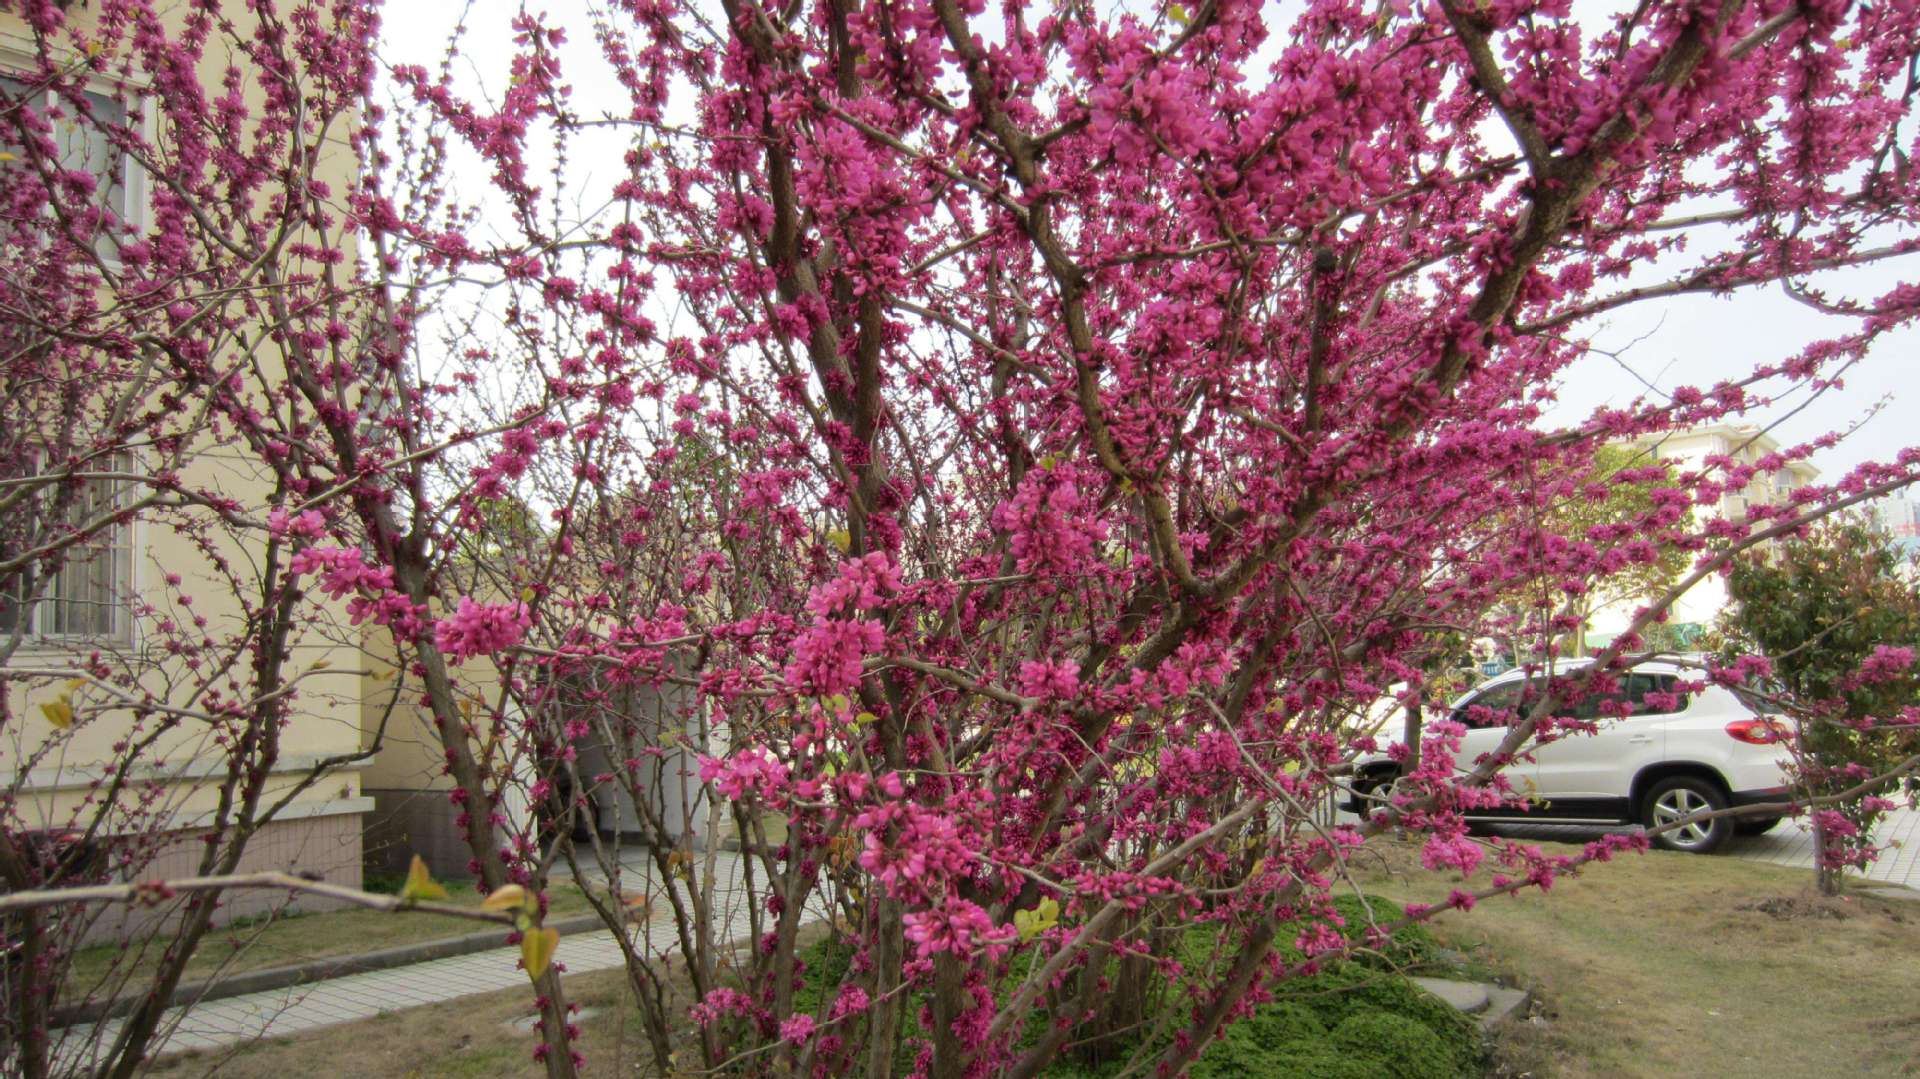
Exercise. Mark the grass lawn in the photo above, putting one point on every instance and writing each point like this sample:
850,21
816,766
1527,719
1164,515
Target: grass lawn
259,943
1672,964
1654,965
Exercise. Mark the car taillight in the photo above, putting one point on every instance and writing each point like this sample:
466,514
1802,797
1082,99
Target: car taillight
1757,732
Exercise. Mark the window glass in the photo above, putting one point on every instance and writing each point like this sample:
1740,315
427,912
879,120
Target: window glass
1494,708
84,146
1759,697
1655,694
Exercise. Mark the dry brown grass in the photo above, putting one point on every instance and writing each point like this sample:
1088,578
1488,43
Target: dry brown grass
1672,964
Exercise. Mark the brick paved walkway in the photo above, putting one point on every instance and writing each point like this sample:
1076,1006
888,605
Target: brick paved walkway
1791,843
363,996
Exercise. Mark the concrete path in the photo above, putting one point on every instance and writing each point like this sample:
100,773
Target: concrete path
244,1018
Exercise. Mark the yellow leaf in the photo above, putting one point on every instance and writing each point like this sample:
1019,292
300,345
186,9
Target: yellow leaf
507,897
639,908
536,950
58,712
420,884
1178,13
840,540
680,863
865,718
1031,923
526,594
321,664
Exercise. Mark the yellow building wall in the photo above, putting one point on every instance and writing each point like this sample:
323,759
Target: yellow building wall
174,772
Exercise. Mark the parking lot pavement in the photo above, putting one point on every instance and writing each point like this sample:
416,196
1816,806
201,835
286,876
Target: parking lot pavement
1790,843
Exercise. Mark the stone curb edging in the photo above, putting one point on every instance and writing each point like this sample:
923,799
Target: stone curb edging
1486,1003
316,970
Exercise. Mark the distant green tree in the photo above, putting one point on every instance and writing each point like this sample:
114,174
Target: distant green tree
1610,499
1616,489
1838,613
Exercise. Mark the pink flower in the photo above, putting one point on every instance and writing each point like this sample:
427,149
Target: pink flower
1053,527
1049,681
308,524
852,1000
1887,663
827,656
956,926
481,628
751,771
863,582
720,1003
1451,852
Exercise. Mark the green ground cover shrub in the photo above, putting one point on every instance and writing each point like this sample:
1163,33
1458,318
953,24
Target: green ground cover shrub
1360,1018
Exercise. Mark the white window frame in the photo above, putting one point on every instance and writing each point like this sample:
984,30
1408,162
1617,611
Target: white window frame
127,542
17,56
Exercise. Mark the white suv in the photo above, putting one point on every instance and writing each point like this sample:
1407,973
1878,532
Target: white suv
1673,755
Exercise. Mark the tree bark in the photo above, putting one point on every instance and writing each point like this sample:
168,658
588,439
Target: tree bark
1826,877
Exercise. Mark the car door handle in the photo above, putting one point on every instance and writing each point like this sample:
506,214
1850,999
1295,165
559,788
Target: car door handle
1641,739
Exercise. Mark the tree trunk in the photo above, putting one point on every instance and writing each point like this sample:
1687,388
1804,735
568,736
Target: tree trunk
1411,735
889,954
478,807
1826,874
27,979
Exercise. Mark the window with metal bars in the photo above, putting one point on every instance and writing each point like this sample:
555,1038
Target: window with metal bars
80,591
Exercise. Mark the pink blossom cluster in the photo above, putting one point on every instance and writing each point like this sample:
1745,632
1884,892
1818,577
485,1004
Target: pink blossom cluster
956,926
1052,527
476,629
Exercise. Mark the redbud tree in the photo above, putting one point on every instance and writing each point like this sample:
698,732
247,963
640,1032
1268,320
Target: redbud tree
986,456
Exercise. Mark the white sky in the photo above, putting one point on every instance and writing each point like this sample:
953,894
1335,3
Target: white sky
1696,340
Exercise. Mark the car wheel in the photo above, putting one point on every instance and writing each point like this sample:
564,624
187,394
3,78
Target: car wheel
1367,788
1683,796
1760,826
